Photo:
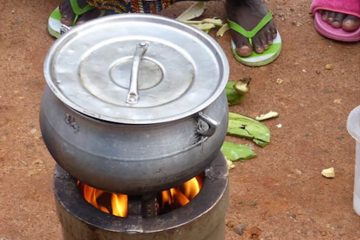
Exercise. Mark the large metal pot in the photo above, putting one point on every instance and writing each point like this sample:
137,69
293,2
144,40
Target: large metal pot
142,131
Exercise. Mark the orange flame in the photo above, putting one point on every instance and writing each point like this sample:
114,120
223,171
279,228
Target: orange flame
91,195
118,203
182,195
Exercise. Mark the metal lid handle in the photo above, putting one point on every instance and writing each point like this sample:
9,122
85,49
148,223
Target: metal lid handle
133,96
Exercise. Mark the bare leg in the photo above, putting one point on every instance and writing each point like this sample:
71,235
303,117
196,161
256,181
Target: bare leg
68,16
248,13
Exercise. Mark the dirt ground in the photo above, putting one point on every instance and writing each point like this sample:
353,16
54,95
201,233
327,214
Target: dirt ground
280,194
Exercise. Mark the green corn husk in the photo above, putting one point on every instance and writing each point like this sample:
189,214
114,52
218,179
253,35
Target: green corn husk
236,90
195,11
215,21
237,152
246,127
224,28
206,27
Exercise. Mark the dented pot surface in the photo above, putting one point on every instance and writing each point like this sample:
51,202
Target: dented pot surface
134,110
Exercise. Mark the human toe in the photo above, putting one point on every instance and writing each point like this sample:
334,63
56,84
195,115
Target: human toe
331,16
350,23
243,47
244,51
324,15
338,19
272,30
270,37
258,44
264,38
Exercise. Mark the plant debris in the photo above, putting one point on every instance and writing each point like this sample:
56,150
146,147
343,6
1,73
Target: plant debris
329,66
236,90
204,26
230,165
267,116
279,81
233,96
195,11
236,152
222,30
328,172
215,21
337,101
246,127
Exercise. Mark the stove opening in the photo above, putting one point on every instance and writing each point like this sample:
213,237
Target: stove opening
165,201
112,203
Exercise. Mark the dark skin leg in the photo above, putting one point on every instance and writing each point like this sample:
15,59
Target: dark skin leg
68,15
248,13
347,22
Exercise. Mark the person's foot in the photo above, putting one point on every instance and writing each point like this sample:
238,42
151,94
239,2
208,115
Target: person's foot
248,13
347,22
68,15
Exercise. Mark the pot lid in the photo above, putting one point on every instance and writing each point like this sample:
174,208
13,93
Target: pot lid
136,69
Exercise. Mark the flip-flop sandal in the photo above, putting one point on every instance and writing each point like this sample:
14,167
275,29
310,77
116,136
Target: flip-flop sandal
350,7
256,59
56,28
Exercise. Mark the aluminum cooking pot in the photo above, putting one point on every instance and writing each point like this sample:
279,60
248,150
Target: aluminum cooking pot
134,103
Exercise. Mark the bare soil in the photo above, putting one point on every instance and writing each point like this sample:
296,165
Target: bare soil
280,194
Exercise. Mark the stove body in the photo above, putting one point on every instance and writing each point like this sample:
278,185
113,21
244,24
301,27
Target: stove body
202,219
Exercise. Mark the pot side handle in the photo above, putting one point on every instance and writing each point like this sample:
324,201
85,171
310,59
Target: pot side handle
206,126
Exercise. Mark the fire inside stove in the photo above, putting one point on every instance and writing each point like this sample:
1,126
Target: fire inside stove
117,203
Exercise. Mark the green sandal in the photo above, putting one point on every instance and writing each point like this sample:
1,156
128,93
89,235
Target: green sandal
256,59
56,28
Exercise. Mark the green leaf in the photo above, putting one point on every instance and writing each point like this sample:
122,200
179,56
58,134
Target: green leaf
246,127
236,152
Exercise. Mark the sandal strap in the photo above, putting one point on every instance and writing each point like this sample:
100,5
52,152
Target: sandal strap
251,33
77,9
